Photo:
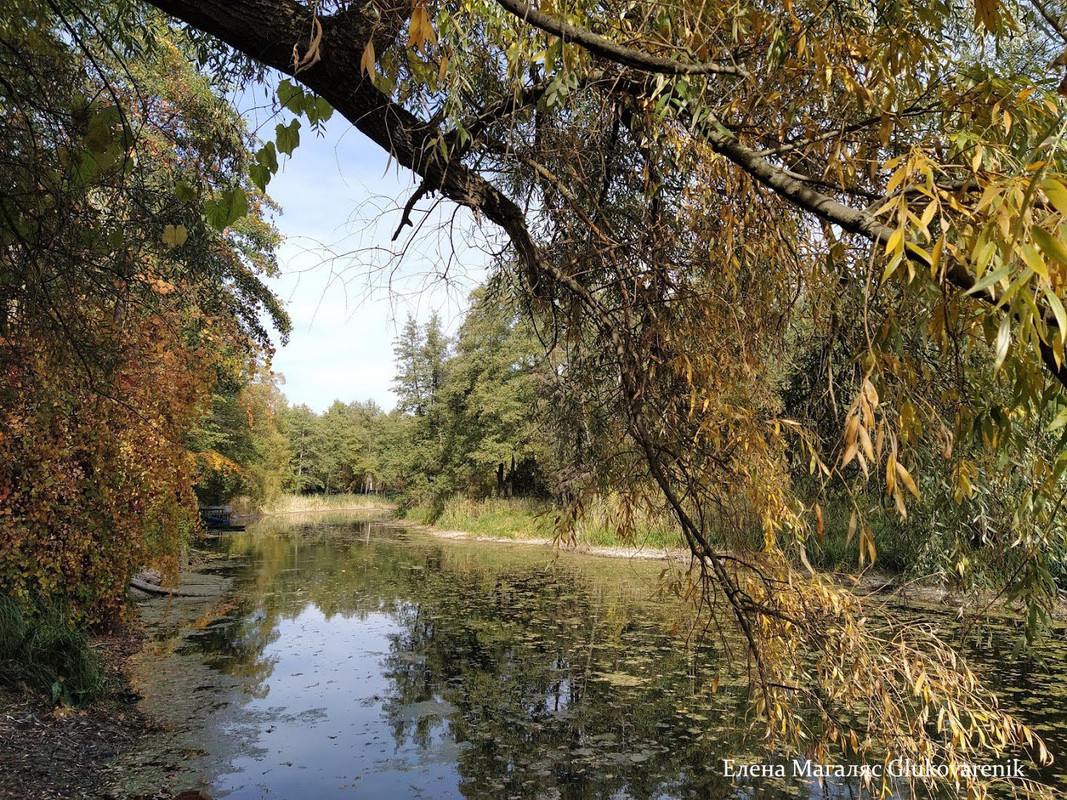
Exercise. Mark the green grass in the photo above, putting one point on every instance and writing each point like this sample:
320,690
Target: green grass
303,503
41,651
896,546
521,518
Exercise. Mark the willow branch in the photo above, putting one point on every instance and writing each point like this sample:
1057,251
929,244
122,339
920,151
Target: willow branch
613,51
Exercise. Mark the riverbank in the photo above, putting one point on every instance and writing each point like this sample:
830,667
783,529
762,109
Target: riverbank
529,523
313,503
531,520
675,554
54,753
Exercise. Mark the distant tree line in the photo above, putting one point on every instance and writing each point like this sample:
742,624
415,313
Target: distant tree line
471,418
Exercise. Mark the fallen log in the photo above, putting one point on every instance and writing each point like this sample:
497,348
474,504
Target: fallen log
153,588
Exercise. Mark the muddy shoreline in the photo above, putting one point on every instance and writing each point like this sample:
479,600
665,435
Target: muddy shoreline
50,753
871,584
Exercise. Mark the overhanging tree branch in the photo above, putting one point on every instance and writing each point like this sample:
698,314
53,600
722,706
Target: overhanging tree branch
265,30
614,52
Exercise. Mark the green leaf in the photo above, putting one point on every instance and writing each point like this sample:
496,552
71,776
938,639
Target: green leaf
989,279
288,137
184,192
291,96
1059,421
268,157
317,110
101,129
230,206
238,204
260,176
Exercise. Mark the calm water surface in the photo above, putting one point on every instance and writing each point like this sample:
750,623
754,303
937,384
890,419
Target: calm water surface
355,659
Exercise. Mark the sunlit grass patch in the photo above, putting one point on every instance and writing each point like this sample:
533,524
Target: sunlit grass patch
526,518
303,503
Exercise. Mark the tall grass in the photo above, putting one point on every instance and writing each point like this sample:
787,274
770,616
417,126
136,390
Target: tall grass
304,503
522,518
41,651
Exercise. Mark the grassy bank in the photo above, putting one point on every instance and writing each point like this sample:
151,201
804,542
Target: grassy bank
521,518
305,503
42,652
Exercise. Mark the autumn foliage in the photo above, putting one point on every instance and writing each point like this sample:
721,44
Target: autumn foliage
91,487
128,287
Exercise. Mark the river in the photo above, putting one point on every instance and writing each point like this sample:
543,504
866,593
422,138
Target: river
350,659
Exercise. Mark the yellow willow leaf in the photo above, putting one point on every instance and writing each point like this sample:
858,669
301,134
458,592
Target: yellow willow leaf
891,473
1057,337
819,527
963,488
849,454
896,179
898,500
870,393
919,681
366,64
865,442
987,14
895,243
863,465
905,477
1056,193
928,215
852,522
1042,753
1003,343
946,450
936,255
1033,259
852,425
1051,246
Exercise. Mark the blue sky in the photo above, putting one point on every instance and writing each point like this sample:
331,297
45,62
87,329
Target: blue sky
345,287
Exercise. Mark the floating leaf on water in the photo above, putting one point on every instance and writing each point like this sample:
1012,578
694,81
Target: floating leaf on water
620,678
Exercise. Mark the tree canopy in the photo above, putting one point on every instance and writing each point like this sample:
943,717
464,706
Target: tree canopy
121,305
788,249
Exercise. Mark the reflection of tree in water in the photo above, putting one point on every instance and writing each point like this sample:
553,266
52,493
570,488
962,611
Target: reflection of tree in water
554,686
335,569
557,691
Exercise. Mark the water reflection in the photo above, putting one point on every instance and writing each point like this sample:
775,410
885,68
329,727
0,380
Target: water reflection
358,660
